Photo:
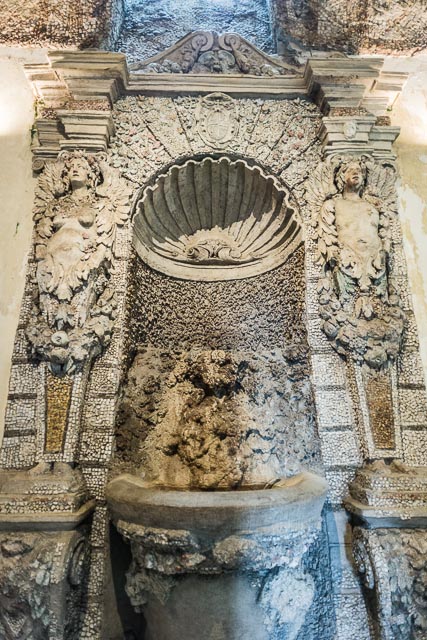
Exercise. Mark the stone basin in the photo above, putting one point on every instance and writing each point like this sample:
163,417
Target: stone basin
221,565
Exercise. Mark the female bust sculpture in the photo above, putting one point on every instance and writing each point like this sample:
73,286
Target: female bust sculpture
362,254
74,236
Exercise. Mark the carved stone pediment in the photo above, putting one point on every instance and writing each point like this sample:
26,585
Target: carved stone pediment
204,52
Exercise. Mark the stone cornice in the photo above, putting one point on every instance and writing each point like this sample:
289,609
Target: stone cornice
357,134
352,83
234,85
79,75
72,85
71,129
332,82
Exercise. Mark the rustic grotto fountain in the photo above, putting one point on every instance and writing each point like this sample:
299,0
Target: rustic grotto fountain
216,352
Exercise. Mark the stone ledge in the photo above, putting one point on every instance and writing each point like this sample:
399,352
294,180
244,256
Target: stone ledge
47,521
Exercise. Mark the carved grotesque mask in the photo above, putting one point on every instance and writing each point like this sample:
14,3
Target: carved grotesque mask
217,61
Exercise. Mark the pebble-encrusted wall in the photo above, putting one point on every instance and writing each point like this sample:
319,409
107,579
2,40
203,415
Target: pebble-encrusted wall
353,27
150,26
81,23
264,312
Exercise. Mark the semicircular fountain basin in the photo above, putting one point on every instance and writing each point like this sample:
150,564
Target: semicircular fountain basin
222,565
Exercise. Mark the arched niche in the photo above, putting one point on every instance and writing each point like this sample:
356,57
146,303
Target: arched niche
218,392
216,219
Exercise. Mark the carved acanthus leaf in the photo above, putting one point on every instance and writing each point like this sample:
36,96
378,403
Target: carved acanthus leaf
207,52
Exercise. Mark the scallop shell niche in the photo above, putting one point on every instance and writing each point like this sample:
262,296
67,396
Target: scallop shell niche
216,219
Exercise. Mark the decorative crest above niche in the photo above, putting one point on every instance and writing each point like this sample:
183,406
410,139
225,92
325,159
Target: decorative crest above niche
204,52
216,219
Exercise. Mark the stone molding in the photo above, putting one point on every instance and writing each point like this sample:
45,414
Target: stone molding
393,495
79,129
388,505
355,83
48,497
357,134
72,80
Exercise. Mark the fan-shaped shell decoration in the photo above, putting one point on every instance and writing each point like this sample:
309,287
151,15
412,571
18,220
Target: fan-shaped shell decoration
215,219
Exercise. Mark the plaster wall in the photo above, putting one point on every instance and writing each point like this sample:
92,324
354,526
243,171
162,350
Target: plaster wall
16,197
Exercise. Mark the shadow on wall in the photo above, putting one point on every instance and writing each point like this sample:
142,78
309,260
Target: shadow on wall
150,26
120,620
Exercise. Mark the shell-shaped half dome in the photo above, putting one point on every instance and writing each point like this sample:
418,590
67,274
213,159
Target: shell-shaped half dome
216,219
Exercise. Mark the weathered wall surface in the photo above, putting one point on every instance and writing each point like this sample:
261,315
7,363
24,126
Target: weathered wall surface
164,22
81,23
410,113
361,26
16,197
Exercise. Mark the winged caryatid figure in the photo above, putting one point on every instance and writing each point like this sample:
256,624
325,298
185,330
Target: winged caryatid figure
80,202
353,203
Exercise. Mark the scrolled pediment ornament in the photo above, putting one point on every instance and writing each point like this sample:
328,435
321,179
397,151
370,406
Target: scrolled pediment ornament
206,52
353,203
80,203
